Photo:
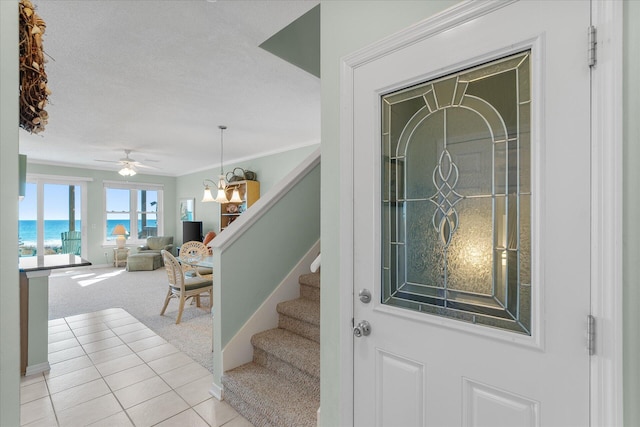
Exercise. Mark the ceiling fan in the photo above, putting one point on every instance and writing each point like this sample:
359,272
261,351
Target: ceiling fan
128,164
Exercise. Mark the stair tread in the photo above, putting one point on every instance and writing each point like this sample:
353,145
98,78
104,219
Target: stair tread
301,308
298,351
283,402
310,279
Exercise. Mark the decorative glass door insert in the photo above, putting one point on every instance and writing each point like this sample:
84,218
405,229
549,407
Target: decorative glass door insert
456,195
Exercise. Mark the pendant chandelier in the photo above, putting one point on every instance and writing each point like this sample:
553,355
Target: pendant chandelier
221,197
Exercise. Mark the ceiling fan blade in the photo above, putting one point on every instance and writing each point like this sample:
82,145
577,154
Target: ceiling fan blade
140,165
129,163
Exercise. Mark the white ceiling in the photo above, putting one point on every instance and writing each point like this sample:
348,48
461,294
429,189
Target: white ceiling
158,77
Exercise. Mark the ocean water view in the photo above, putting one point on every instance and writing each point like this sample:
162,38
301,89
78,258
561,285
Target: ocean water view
27,230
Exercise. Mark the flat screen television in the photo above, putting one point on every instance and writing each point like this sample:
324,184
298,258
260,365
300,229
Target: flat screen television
191,230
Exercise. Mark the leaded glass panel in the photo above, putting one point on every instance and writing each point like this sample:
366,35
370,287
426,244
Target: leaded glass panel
456,195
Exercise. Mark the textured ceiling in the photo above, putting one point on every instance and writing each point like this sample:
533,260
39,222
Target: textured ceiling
158,77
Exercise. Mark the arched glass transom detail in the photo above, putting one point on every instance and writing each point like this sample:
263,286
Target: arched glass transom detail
456,195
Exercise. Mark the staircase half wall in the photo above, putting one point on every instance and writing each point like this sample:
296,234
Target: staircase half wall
257,251
239,350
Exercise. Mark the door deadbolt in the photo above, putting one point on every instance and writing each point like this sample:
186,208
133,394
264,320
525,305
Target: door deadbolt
365,296
363,329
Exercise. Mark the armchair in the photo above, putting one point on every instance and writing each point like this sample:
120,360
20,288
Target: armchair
155,244
149,257
71,242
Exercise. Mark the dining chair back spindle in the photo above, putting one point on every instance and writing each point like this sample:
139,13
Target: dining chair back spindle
194,250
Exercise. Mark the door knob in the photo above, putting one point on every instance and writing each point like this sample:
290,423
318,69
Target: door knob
363,329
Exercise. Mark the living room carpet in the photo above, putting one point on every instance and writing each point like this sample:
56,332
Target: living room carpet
140,293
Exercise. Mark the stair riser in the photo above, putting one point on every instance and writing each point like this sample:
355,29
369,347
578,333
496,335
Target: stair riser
310,292
287,370
311,279
281,387
254,408
299,327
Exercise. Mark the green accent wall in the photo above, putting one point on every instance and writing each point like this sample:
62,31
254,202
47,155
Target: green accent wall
299,42
297,216
631,213
38,319
9,296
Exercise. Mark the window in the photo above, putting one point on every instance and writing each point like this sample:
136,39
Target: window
51,215
137,207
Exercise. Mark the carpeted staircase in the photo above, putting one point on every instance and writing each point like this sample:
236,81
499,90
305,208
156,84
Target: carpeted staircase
281,387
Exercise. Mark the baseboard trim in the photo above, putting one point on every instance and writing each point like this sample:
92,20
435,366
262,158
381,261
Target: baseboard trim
216,391
37,369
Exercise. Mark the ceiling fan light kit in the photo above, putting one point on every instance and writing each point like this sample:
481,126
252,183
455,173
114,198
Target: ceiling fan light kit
128,164
127,171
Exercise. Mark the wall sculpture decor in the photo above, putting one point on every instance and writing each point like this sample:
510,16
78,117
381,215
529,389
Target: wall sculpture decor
33,79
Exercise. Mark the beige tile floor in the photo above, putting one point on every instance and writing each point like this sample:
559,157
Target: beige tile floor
108,369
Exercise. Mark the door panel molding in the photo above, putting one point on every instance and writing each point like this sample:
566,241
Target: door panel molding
484,405
399,374
606,194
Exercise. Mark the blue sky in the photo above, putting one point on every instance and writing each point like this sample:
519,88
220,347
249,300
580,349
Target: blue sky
56,201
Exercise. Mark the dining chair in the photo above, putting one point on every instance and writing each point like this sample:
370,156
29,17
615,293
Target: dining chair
195,250
183,287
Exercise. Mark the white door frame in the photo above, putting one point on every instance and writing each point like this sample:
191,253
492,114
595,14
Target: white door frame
606,198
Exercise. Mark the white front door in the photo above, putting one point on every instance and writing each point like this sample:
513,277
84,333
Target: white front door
471,172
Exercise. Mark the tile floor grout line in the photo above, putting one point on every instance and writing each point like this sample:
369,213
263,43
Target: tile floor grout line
55,411
145,362
102,377
113,392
